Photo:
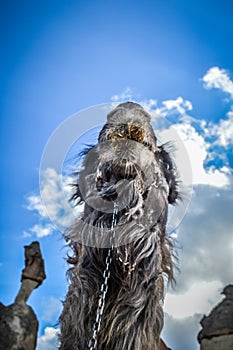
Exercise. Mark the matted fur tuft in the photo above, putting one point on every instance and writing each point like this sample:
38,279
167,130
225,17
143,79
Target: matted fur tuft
127,151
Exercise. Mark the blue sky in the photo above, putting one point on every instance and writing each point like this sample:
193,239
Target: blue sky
59,57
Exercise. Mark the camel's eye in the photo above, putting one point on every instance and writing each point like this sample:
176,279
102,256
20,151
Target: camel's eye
167,165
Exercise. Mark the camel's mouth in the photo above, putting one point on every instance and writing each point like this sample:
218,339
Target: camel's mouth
115,181
114,171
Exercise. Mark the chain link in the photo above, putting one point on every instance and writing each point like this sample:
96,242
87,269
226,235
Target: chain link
104,286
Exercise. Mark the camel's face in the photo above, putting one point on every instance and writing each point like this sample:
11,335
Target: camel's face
125,162
126,147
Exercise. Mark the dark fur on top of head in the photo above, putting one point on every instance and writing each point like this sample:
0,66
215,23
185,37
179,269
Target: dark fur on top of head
128,168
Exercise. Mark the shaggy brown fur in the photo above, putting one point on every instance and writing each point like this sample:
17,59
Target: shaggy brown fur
127,168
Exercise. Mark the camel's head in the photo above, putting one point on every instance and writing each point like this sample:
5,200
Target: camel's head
126,161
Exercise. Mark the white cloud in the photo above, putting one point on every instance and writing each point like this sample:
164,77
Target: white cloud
224,130
219,79
176,106
206,238
49,340
181,334
52,308
52,194
189,143
42,231
34,203
53,203
126,95
179,104
197,149
199,298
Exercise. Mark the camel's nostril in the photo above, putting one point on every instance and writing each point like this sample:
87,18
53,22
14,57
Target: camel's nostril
136,133
127,131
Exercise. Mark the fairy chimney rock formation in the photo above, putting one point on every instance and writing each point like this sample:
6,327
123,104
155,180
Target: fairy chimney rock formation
217,328
18,322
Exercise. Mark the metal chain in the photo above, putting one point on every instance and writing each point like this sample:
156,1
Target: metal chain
104,286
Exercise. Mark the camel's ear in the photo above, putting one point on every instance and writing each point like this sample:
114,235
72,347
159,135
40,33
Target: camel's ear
169,171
